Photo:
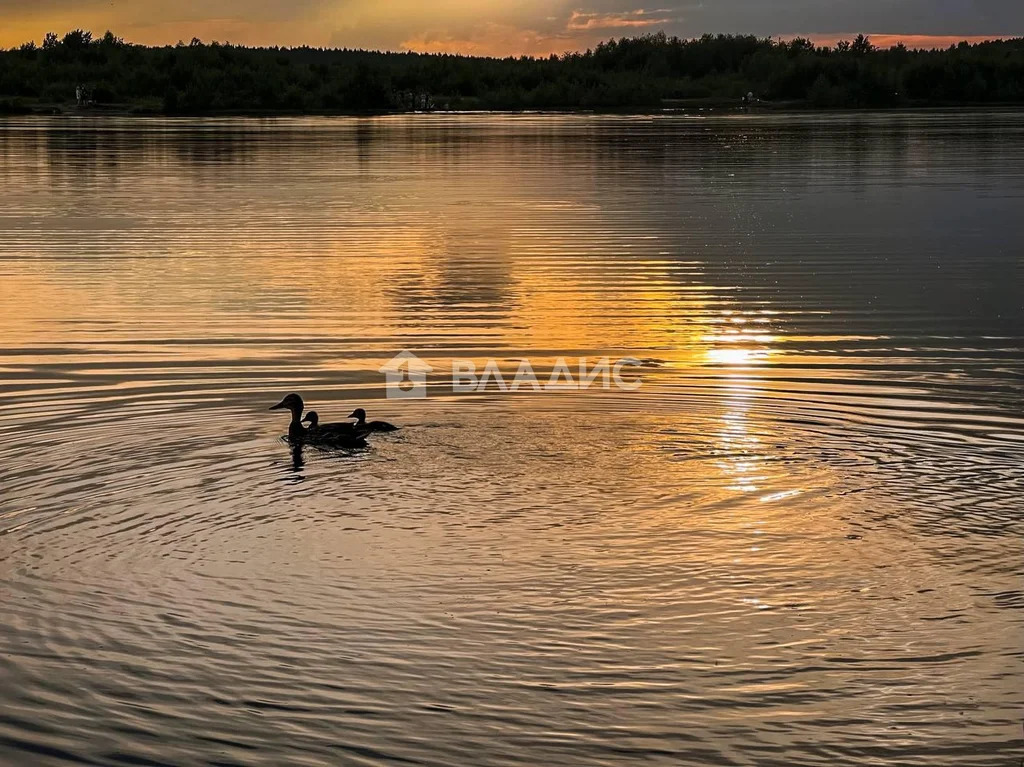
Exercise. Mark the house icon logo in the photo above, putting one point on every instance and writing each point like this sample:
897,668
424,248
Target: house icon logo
405,376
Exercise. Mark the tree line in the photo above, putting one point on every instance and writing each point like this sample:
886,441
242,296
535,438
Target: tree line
645,72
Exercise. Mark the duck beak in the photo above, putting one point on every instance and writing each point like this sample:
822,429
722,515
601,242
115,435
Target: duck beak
279,406
352,415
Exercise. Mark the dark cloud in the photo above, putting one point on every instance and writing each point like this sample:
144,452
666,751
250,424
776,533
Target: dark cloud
929,17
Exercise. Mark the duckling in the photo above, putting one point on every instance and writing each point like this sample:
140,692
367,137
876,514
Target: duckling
361,423
332,432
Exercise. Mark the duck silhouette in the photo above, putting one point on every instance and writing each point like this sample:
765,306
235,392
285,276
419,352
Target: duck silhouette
325,435
293,402
361,423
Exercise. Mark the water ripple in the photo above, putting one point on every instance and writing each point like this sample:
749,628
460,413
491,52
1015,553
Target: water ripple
797,543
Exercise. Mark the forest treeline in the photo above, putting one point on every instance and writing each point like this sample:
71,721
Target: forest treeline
645,72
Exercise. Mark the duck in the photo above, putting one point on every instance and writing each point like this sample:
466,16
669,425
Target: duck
293,402
360,415
333,434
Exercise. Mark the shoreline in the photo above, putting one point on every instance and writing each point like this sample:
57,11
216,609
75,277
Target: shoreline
702,108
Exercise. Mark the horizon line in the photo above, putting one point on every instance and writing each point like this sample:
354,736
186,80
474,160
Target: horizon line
881,41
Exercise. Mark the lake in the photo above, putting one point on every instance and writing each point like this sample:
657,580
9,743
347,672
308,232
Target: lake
793,539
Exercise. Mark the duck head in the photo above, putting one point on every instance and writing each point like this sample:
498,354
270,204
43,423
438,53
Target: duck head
358,414
312,419
292,402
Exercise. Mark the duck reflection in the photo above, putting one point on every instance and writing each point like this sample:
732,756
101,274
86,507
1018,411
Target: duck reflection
298,461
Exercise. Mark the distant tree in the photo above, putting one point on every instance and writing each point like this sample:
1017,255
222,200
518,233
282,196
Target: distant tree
800,45
824,94
642,71
862,46
76,39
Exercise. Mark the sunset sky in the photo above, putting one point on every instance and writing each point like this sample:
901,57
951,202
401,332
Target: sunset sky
503,27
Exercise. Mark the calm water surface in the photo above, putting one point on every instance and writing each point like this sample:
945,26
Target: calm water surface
798,543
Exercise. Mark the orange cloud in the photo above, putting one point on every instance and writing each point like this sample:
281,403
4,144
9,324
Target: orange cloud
581,30
629,19
493,40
